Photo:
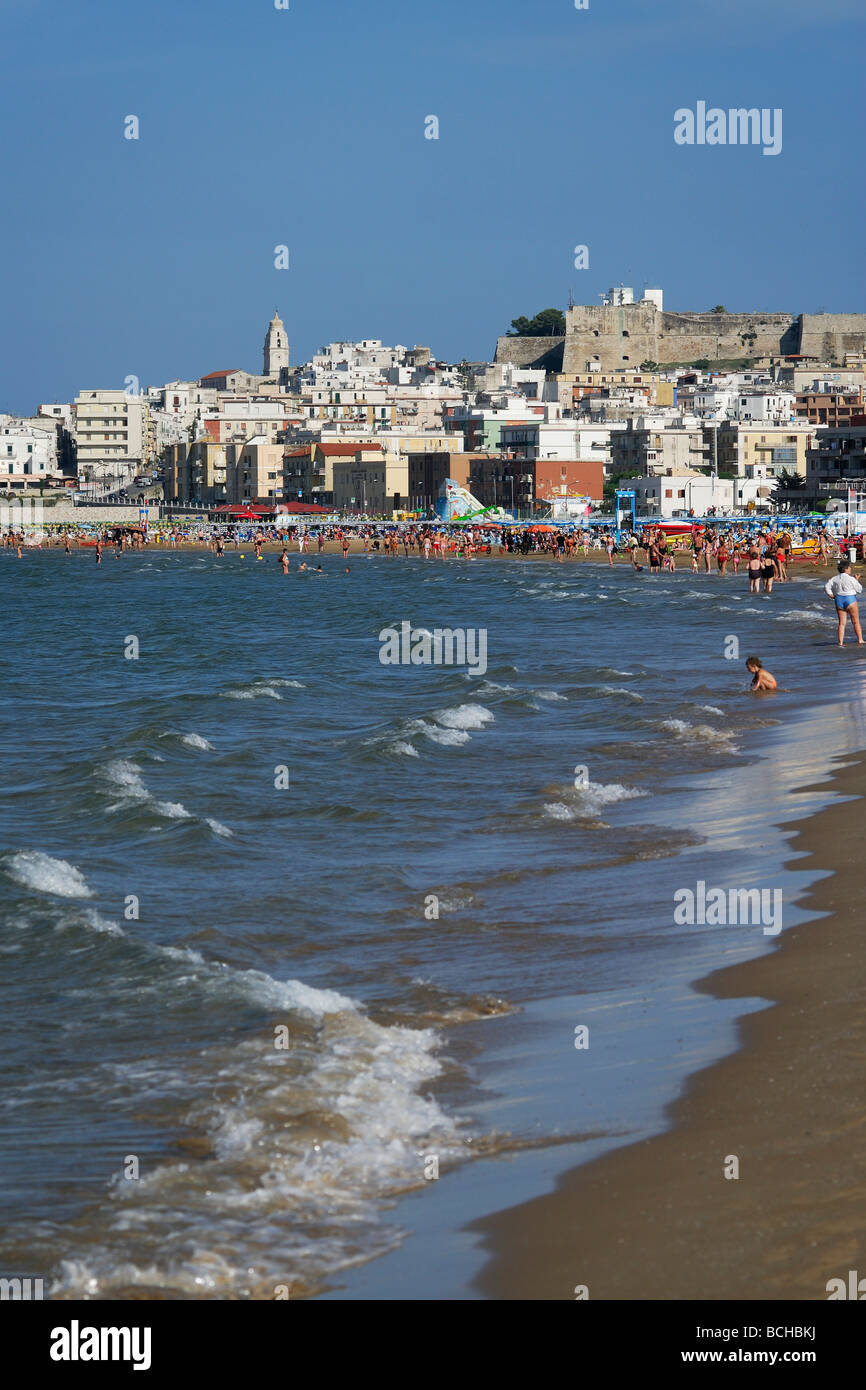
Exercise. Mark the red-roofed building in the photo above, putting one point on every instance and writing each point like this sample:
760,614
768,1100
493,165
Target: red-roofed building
232,379
309,473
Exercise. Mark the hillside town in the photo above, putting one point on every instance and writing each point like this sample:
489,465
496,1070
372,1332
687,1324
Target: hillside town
552,427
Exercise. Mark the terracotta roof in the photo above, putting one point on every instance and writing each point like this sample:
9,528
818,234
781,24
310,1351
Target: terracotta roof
230,371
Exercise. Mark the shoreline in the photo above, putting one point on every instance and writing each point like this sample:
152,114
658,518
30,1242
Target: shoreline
799,568
658,1219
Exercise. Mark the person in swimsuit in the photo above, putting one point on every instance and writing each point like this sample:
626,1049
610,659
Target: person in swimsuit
722,557
844,588
761,677
284,561
755,570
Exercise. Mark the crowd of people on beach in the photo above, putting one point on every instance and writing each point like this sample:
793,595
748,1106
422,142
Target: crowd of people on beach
764,551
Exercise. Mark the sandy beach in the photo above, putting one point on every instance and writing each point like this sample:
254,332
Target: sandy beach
658,1219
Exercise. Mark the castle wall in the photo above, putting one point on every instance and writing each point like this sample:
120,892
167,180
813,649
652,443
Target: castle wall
830,336
531,352
621,336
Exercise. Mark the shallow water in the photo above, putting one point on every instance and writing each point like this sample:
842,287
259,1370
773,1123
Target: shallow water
434,868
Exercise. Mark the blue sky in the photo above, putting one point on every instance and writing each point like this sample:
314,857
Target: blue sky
305,127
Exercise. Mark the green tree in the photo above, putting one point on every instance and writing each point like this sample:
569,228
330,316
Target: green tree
549,323
649,365
790,482
718,309
702,364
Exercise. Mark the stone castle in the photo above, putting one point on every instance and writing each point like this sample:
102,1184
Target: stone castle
620,334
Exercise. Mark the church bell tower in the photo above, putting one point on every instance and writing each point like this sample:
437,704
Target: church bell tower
276,349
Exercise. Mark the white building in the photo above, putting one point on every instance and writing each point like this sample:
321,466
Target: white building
110,432
183,399
670,495
26,450
765,407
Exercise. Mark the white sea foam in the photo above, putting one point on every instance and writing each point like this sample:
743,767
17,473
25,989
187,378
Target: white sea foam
700,733
491,688
406,750
804,615
464,717
122,780
549,695
711,709
620,690
585,802
44,874
448,737
218,828
254,692
103,926
304,1148
606,793
197,741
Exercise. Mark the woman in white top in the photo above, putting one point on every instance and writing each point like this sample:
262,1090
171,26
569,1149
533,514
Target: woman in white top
844,588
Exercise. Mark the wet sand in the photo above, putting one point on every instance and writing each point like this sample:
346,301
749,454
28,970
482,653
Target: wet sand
658,1219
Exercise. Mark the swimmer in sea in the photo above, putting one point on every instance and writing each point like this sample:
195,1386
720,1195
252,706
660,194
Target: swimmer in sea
761,678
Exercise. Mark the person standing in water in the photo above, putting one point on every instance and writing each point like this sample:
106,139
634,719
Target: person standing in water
284,561
843,588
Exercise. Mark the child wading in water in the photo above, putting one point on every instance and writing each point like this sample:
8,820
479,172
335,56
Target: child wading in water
761,677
